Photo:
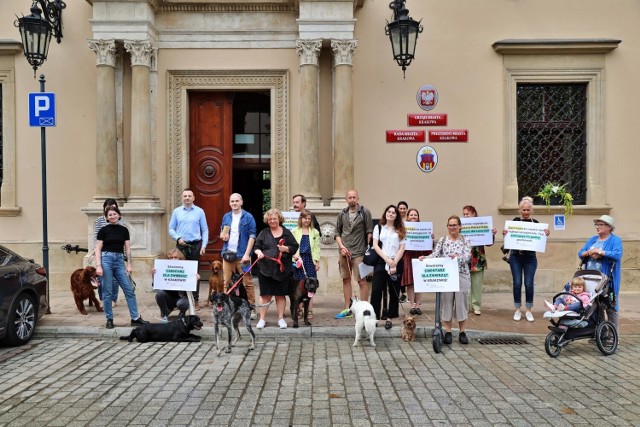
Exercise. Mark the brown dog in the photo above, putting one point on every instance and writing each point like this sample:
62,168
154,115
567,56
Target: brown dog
216,281
83,285
408,332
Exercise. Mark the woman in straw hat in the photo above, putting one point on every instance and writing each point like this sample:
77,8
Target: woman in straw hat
600,252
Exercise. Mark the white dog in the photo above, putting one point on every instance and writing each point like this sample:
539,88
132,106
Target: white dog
365,319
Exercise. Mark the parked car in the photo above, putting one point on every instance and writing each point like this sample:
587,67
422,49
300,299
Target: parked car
23,297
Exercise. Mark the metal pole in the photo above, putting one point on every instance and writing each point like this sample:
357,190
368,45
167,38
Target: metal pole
45,238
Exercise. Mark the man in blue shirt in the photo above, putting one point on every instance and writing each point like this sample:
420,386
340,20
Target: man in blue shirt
188,227
238,232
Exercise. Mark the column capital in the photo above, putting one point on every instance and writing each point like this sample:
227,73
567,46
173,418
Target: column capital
141,52
343,51
309,51
105,50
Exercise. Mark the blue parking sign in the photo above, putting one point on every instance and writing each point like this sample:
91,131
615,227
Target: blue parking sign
42,109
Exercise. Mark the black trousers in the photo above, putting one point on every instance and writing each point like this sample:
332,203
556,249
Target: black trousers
191,252
381,285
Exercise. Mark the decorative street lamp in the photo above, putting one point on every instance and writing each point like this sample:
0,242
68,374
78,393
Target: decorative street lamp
36,31
403,33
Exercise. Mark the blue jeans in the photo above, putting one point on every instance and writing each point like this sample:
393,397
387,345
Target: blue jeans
114,291
523,262
113,266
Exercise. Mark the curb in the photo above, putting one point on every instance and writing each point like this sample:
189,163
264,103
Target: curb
48,332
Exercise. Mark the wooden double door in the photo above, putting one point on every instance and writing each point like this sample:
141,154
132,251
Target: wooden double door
211,160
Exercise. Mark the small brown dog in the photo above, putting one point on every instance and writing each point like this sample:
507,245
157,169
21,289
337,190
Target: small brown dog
409,328
216,281
83,285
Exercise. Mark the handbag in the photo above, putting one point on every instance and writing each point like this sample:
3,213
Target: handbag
507,254
371,257
230,256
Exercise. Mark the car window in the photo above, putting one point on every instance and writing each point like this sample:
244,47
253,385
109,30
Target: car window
5,257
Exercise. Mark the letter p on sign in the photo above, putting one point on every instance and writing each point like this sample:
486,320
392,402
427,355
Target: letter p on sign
42,109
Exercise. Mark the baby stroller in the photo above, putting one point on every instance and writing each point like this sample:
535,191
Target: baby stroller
589,322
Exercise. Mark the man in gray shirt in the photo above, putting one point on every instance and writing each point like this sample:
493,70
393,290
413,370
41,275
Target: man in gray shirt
353,231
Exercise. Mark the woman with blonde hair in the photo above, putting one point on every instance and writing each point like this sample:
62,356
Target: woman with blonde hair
274,247
523,263
308,256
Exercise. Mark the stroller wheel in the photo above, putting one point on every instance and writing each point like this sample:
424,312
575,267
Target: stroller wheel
551,344
607,338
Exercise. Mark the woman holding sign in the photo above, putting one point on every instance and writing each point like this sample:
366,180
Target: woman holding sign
407,274
478,265
455,304
390,233
523,263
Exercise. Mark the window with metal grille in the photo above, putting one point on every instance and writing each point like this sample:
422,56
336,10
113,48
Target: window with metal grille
551,135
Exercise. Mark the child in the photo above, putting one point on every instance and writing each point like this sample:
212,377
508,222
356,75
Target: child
573,303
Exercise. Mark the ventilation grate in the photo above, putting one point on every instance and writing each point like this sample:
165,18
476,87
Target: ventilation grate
502,341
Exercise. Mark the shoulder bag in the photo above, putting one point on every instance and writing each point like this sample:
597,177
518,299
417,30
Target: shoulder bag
371,257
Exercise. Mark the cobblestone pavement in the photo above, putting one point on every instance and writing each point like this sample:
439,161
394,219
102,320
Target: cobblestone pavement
319,382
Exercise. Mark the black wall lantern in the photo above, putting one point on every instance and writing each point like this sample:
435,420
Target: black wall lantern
36,30
403,33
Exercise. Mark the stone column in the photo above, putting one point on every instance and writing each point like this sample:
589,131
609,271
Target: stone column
308,182
106,131
141,186
343,155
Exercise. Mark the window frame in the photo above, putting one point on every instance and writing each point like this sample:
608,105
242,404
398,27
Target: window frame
8,51
546,62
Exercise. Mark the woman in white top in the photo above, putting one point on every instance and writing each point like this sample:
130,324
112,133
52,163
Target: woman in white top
388,242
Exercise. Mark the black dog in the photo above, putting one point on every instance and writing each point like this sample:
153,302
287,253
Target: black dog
239,291
301,292
176,331
228,310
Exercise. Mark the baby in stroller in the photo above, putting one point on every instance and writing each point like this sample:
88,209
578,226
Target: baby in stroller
578,299
578,313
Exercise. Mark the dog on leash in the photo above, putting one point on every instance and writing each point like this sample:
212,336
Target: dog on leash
301,292
84,282
216,280
177,331
408,332
228,310
365,319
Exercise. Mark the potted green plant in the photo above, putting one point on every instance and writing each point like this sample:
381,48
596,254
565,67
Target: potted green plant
557,193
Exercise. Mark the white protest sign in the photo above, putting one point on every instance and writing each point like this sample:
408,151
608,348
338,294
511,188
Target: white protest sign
419,236
525,236
477,230
435,275
290,219
175,275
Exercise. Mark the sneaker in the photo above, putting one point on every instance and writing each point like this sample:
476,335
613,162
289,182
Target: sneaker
109,324
477,312
344,314
138,322
517,316
529,316
550,306
165,319
418,311
282,324
413,311
448,338
463,338
254,316
260,324
403,298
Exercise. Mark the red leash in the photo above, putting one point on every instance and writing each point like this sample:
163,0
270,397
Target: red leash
279,259
240,278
